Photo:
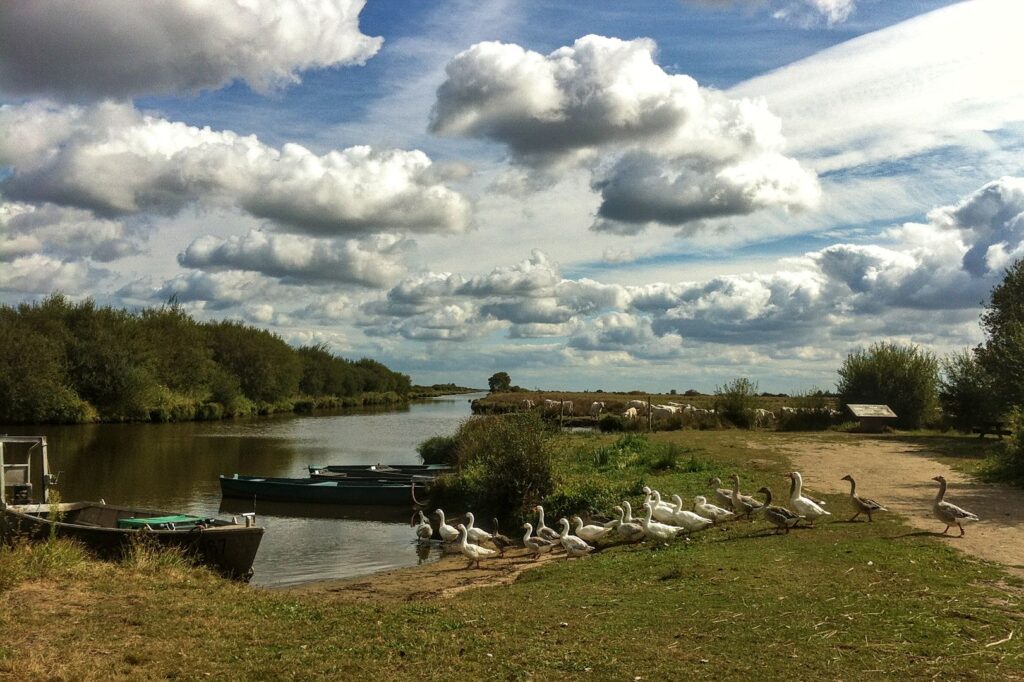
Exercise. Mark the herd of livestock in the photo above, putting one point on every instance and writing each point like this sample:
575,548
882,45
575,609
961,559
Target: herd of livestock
635,409
663,521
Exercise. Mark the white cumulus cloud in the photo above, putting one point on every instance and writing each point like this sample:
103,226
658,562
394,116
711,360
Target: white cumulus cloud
123,49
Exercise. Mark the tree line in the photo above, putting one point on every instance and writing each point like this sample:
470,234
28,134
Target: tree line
68,362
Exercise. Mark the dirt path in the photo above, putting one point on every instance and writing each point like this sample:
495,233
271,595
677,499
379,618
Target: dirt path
441,579
898,475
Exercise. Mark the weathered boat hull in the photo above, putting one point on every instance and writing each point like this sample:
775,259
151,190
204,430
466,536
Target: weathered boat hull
322,491
226,547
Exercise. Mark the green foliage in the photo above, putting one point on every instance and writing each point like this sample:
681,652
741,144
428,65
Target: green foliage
505,465
76,362
1002,354
904,377
499,381
966,391
813,412
736,401
21,561
1007,465
438,450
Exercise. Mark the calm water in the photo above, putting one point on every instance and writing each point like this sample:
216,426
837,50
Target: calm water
175,467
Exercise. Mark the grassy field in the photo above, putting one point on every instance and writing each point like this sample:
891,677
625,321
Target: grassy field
840,601
616,402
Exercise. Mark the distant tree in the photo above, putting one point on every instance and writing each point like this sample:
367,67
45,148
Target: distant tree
1002,354
904,377
499,381
965,390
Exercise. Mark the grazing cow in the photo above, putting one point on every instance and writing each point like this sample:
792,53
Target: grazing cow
552,405
660,411
596,409
763,417
567,408
640,405
526,404
631,413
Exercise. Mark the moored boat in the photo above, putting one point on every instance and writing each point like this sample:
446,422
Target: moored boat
401,472
110,530
324,490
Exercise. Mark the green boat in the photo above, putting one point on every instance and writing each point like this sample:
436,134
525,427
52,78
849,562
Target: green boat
361,491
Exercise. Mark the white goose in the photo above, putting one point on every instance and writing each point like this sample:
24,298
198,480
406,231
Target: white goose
803,505
590,533
686,518
573,545
476,535
709,511
423,530
536,545
627,530
663,511
948,513
542,530
472,552
628,516
661,532
448,533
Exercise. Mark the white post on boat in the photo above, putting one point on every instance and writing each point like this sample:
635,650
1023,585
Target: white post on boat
46,471
3,477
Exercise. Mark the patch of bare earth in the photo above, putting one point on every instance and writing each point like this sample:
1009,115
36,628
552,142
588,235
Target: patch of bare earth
898,476
438,580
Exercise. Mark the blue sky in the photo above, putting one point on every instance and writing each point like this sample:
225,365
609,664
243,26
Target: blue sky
612,195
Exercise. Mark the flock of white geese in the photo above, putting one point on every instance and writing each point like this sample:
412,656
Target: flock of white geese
663,521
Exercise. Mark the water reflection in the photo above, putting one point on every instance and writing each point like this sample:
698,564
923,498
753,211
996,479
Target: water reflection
175,467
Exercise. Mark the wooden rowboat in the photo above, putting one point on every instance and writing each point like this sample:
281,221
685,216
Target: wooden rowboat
108,530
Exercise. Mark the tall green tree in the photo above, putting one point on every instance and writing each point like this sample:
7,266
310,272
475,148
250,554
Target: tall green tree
499,381
1002,354
965,391
904,377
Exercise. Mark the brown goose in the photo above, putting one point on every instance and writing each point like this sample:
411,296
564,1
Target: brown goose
780,517
502,542
744,505
950,514
862,505
723,496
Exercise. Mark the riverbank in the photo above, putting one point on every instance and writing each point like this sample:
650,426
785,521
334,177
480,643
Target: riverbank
840,601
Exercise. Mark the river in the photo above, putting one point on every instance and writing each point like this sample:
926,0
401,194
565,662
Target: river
175,467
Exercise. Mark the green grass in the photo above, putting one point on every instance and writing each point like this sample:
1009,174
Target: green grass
841,601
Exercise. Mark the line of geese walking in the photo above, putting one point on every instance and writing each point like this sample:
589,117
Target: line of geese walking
663,521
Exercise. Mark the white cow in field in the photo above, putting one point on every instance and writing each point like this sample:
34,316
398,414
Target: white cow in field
596,408
662,411
763,417
640,405
526,404
552,405
567,408
631,413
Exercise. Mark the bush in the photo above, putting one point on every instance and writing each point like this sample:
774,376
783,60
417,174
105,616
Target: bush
505,465
1007,465
736,401
903,377
438,450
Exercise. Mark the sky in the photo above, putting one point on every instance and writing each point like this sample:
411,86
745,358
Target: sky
618,195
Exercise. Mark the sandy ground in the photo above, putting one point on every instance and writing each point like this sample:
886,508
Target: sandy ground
440,579
898,476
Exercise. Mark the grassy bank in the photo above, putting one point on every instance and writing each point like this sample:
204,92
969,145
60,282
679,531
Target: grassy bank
840,601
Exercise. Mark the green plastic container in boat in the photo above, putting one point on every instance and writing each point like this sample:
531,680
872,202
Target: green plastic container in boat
160,522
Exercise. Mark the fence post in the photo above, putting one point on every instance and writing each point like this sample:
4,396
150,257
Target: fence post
650,416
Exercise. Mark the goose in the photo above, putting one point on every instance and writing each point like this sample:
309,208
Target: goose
448,533
710,511
723,496
472,552
663,511
502,542
662,532
590,533
627,530
780,517
536,545
686,518
803,505
542,530
744,505
950,514
861,505
628,515
476,535
573,545
423,530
